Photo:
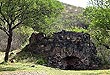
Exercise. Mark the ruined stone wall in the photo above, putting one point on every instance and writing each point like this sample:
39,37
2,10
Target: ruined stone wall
65,50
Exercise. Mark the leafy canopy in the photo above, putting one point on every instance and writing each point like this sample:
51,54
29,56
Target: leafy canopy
99,16
34,13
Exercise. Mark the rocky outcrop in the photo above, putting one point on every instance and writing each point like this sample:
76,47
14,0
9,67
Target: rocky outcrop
65,50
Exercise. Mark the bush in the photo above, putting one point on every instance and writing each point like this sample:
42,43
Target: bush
104,54
26,56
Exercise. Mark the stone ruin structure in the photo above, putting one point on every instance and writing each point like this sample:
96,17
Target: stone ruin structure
65,50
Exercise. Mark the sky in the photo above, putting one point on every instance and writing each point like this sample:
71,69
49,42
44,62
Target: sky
80,3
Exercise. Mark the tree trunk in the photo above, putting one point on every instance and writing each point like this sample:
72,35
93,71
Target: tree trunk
8,47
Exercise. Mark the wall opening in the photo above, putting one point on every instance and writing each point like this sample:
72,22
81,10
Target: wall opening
71,63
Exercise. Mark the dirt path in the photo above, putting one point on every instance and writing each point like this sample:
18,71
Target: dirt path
22,73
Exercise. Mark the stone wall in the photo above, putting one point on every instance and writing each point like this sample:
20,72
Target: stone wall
65,50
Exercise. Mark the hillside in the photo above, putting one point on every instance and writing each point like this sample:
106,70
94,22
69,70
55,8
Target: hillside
71,17
72,9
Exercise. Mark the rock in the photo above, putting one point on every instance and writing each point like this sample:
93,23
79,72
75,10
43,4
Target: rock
32,65
12,60
66,50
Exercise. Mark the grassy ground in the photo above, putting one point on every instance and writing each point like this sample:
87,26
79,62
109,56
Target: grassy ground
1,56
19,67
49,71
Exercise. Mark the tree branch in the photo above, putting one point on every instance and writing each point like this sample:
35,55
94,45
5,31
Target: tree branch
12,22
2,20
106,46
17,25
3,14
4,29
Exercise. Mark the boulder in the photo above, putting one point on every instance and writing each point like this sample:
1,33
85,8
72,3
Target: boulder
66,50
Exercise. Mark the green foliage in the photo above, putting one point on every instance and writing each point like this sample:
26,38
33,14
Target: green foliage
35,13
25,33
41,61
24,30
104,54
25,56
32,13
99,17
77,29
71,19
100,3
50,10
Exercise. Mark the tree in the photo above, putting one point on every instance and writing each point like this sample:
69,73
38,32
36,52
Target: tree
99,17
15,13
100,3
98,13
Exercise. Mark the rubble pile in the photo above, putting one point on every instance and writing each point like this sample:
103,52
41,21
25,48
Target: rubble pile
65,50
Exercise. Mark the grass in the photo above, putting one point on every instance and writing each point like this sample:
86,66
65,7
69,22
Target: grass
1,56
30,66
48,70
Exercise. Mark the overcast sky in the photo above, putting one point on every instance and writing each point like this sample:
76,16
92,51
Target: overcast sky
81,3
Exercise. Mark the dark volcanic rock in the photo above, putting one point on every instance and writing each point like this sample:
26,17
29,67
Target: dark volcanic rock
66,50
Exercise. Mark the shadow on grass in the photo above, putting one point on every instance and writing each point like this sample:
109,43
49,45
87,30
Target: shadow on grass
4,67
8,69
